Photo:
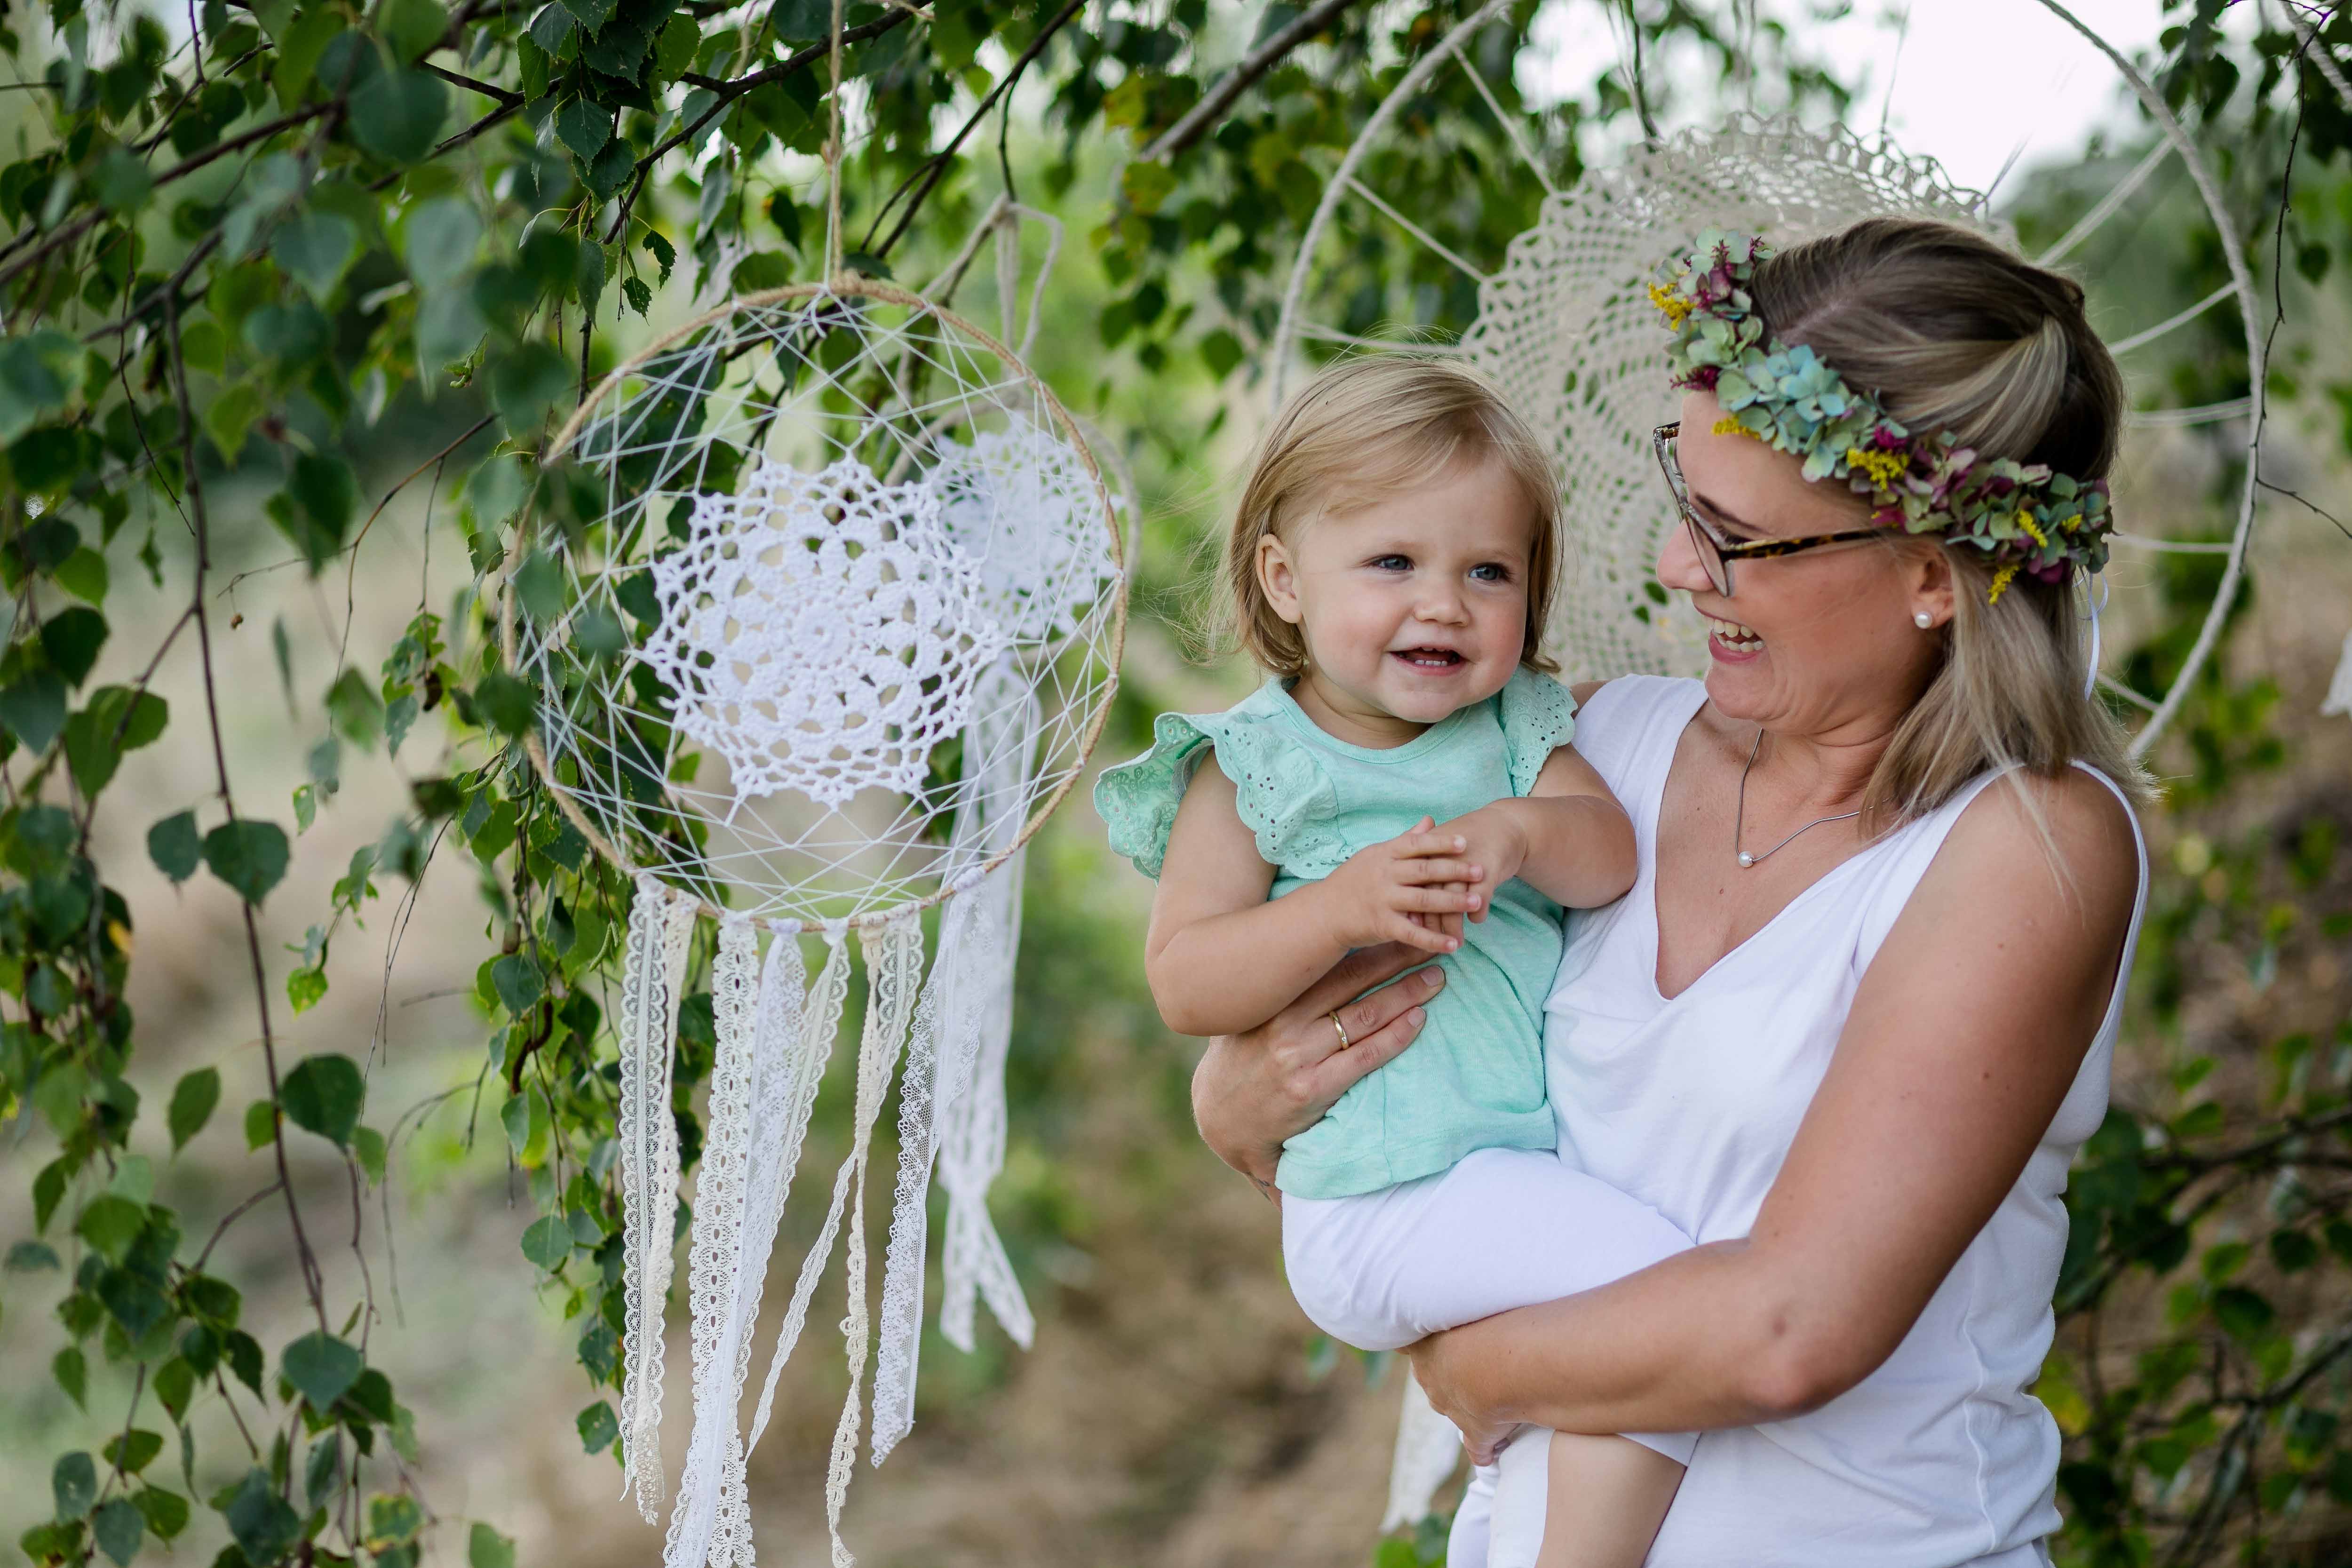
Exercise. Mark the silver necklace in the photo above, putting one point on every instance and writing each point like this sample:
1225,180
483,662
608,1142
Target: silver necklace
1739,818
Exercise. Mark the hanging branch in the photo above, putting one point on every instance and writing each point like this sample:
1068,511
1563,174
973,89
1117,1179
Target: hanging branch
1203,117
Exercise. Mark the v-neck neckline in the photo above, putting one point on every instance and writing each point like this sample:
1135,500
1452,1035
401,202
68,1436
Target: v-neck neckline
1649,903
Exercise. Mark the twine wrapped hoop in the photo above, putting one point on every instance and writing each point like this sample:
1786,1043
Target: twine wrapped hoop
1108,638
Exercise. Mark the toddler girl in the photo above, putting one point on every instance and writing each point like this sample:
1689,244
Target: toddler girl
1406,765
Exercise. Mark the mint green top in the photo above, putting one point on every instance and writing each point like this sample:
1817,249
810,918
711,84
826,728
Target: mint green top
1474,1079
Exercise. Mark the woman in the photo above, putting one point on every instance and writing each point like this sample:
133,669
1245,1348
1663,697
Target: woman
1855,1018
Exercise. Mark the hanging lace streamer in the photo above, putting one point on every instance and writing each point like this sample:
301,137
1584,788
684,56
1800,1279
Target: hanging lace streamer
661,930
1428,1447
795,1043
2339,689
972,1141
894,964
977,936
740,1006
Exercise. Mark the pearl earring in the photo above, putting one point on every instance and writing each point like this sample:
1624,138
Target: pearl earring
1922,619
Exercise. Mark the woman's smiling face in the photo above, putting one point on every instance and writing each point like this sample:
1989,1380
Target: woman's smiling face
1810,643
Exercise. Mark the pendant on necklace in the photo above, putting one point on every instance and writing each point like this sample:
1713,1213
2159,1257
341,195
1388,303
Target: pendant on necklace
1746,859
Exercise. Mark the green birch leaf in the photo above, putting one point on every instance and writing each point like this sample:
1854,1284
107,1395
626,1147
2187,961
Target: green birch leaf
597,1427
583,127
73,1484
486,1548
324,1095
250,856
441,239
398,114
71,638
166,1513
33,707
321,1368
174,848
316,248
547,1243
264,1524
192,1100
72,1373
306,988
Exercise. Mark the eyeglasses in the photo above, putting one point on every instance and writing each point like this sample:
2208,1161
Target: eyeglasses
1716,553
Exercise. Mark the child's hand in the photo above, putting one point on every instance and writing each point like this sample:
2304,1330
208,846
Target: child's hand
1494,841
1413,889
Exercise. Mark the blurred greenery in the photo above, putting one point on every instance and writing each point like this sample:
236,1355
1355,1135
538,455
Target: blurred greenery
273,268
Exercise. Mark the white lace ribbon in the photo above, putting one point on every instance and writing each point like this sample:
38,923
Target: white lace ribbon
1428,1447
720,1194
894,959
661,929
971,1136
970,975
795,1044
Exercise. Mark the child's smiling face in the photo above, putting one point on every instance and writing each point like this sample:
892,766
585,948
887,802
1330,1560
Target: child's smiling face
1412,606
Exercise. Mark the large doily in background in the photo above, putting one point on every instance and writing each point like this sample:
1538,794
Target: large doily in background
1563,323
1568,331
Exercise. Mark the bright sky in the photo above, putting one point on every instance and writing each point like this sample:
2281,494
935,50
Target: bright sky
1973,78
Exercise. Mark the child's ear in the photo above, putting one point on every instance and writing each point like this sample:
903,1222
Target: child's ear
1277,578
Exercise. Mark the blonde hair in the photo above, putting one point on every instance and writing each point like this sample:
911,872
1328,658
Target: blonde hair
1363,430
1954,334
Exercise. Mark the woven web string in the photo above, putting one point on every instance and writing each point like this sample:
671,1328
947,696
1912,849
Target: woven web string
837,404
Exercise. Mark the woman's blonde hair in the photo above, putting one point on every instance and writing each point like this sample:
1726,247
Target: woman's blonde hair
1363,430
1953,333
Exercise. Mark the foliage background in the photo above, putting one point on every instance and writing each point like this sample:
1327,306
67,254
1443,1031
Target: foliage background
350,264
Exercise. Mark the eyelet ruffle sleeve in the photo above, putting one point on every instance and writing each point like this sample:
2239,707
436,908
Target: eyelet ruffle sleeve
1538,717
1283,796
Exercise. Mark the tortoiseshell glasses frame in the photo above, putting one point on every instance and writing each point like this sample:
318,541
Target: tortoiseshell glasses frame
1716,552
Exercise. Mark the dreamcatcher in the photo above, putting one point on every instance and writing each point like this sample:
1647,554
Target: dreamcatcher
1563,323
834,633
1565,326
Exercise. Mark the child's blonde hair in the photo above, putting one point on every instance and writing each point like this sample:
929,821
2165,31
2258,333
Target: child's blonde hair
1368,428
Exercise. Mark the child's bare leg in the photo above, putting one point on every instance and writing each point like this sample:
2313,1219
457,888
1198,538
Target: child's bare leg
1604,1501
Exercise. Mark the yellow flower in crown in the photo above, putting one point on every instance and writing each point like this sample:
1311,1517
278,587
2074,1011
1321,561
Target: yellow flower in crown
2032,529
1671,305
1883,466
2000,582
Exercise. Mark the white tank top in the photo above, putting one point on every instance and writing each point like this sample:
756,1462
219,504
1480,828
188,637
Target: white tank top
1940,1458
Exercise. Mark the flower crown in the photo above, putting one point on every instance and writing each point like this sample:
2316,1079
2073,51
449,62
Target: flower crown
2022,516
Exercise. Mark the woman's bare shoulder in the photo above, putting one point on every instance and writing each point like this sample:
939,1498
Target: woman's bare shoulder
1583,690
2029,838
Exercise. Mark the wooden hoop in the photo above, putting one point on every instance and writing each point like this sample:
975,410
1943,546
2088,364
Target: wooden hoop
846,286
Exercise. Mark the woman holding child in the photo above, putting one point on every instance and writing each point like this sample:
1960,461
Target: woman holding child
1767,1174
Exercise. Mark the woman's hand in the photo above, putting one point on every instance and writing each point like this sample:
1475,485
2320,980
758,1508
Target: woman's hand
1253,1091
1438,1366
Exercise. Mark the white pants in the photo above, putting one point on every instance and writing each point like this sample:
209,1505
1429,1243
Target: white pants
1504,1228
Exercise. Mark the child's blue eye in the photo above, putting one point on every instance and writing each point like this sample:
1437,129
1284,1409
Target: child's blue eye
1392,563
1491,572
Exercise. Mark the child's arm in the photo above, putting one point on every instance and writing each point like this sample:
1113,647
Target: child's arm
1220,959
1566,837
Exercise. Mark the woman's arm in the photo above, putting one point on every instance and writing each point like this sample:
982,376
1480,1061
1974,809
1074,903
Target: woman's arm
1221,958
1963,1039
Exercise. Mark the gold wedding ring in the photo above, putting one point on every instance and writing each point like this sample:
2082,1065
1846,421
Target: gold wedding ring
1344,1041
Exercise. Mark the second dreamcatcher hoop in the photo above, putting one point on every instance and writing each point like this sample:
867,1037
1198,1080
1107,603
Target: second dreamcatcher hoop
828,629
1562,320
